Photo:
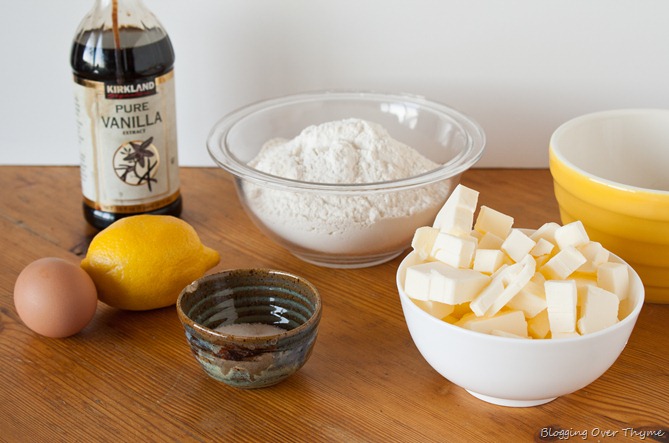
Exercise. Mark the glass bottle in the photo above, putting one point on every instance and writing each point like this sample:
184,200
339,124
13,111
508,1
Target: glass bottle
122,60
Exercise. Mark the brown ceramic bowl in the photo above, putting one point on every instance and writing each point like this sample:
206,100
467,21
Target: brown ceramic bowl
250,301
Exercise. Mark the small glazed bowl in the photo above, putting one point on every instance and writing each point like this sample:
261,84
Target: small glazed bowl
610,171
511,371
251,298
346,225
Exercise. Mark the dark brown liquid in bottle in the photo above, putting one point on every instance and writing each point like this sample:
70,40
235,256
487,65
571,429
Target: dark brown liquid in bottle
98,59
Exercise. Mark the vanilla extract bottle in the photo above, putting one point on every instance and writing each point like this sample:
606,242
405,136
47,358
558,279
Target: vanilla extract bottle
123,60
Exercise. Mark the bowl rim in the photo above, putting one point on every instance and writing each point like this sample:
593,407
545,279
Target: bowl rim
476,141
311,322
631,316
577,121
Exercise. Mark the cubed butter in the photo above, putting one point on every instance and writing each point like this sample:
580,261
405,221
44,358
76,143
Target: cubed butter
563,264
542,247
454,250
495,222
517,245
531,299
515,283
512,322
595,255
491,278
489,240
482,302
488,261
456,220
561,299
423,241
599,310
545,231
582,283
454,286
538,326
614,277
457,215
571,234
417,280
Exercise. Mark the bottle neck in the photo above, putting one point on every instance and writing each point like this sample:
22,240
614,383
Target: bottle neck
125,5
117,14
121,36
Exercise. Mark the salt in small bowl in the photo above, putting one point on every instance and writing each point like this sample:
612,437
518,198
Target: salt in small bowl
250,297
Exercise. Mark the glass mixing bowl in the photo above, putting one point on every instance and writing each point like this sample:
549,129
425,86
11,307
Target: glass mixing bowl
346,225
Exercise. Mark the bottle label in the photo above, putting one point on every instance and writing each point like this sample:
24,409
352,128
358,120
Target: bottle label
128,143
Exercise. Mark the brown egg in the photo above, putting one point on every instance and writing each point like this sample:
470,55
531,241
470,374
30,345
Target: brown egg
54,297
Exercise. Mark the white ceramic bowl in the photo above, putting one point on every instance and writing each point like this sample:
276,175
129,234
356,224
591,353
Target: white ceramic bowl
346,225
511,371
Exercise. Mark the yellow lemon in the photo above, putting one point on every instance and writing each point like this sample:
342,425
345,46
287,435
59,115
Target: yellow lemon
143,262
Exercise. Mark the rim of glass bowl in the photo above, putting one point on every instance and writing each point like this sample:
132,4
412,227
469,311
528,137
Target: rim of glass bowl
475,144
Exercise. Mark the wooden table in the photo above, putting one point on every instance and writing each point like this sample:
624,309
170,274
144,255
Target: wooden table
129,376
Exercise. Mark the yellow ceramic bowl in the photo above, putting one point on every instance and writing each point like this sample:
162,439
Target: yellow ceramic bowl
610,170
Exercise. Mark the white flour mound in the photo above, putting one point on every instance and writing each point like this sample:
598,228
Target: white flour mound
344,152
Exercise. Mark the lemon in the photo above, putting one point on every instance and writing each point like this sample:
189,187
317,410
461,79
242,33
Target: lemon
143,262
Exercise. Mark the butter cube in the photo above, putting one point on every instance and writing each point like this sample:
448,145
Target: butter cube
545,231
614,277
599,310
423,241
563,264
454,250
515,282
457,214
595,255
500,270
542,247
531,299
488,261
582,282
517,245
490,220
512,322
434,308
561,299
571,234
482,302
489,240
538,326
457,220
453,285
417,280
464,197
505,283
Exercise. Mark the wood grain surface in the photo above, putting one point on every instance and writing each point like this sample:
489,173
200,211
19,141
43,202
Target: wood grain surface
129,376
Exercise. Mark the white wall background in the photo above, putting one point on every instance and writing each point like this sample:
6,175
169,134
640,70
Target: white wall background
519,67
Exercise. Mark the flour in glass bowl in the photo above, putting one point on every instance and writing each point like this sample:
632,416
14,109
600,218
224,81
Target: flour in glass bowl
343,152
